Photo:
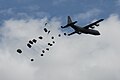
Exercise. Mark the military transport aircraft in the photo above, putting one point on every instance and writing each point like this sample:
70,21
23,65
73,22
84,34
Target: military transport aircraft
88,29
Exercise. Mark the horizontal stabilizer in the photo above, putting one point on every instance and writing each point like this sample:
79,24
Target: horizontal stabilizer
65,26
69,24
71,33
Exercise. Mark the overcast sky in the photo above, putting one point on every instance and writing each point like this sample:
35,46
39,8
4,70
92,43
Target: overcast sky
78,57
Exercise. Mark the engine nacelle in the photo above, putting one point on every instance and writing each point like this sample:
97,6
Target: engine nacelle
92,27
96,24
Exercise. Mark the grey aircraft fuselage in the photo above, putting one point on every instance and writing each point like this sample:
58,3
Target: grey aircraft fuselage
88,29
79,29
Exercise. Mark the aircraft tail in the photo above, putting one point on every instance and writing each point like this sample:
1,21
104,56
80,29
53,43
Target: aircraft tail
69,20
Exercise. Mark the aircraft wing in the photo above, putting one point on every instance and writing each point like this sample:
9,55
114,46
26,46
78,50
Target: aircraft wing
74,33
93,24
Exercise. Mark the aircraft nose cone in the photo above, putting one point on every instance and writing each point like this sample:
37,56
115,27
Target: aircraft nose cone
98,33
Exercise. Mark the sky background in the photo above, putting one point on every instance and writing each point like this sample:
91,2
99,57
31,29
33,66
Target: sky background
78,57
58,8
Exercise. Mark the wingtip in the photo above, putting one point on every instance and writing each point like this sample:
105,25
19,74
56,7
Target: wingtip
102,19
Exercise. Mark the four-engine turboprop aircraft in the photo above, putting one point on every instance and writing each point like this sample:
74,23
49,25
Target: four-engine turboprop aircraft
86,29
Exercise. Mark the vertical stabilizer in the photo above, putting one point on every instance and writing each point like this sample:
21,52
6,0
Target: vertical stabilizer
69,20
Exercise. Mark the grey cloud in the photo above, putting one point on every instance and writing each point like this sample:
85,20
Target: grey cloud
78,57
